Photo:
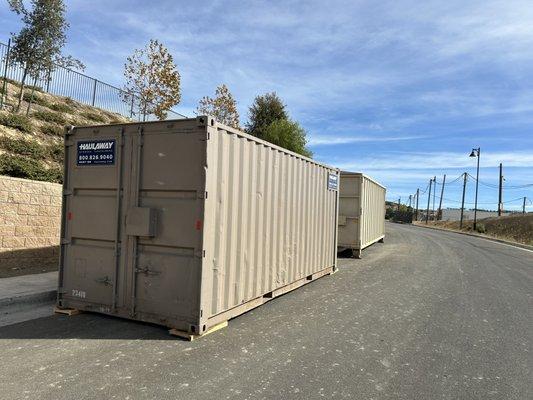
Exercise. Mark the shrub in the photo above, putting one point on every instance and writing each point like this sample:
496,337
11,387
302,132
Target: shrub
70,102
22,167
37,99
481,228
52,130
64,108
20,122
399,216
36,88
50,116
23,147
13,82
93,116
56,152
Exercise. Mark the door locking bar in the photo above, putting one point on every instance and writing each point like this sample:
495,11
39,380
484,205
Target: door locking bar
147,271
105,281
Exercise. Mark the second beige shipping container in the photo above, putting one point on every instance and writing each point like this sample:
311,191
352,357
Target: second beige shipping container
361,212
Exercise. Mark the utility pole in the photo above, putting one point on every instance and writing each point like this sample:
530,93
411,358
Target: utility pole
441,195
429,199
434,193
410,198
399,203
524,206
463,202
500,193
416,210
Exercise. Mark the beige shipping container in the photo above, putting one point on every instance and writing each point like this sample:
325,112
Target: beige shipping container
189,223
361,212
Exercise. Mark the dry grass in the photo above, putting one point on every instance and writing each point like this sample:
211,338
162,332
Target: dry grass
516,228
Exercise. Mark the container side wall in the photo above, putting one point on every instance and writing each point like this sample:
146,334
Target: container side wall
274,220
373,218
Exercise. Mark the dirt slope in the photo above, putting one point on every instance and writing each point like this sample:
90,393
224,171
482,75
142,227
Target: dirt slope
31,146
517,227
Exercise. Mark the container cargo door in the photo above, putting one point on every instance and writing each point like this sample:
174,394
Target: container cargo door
90,236
164,221
350,209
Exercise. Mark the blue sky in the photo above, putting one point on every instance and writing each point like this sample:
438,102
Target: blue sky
400,90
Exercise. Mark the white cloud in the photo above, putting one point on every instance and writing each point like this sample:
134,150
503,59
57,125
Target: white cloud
328,140
436,161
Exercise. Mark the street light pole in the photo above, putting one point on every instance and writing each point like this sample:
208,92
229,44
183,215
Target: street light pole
476,153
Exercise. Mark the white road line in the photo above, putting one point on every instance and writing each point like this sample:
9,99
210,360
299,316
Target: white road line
510,245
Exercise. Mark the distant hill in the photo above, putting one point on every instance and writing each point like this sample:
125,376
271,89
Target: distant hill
32,147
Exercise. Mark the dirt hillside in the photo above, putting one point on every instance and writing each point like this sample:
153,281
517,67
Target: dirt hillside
31,146
516,227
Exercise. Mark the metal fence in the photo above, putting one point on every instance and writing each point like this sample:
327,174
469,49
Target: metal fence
66,82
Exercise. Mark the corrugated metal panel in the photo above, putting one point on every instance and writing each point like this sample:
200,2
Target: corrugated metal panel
274,217
361,211
190,223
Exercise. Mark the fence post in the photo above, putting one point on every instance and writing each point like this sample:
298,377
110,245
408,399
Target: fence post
131,109
94,92
4,85
48,78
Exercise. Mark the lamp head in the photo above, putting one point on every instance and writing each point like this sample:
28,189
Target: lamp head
473,154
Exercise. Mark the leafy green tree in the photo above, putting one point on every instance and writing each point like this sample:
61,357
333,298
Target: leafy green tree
38,44
287,134
223,107
269,120
152,74
264,111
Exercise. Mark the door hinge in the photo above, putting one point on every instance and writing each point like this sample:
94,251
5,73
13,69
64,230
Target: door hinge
199,253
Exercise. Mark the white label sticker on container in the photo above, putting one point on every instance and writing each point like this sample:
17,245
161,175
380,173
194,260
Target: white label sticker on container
333,182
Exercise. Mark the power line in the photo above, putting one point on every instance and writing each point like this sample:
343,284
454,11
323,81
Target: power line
452,181
494,186
488,202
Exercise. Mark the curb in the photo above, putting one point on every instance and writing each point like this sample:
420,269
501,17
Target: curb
31,298
514,244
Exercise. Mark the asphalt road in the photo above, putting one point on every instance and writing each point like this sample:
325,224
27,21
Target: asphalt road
427,315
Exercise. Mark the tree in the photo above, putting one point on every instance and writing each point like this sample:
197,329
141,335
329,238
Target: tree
264,111
269,120
223,107
287,134
151,73
38,44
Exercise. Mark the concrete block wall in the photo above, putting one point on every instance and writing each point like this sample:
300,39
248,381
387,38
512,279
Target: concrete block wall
30,219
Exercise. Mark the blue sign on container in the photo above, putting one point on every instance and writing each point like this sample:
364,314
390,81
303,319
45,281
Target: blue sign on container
96,152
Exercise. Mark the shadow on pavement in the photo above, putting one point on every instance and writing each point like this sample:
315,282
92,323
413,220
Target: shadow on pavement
85,326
